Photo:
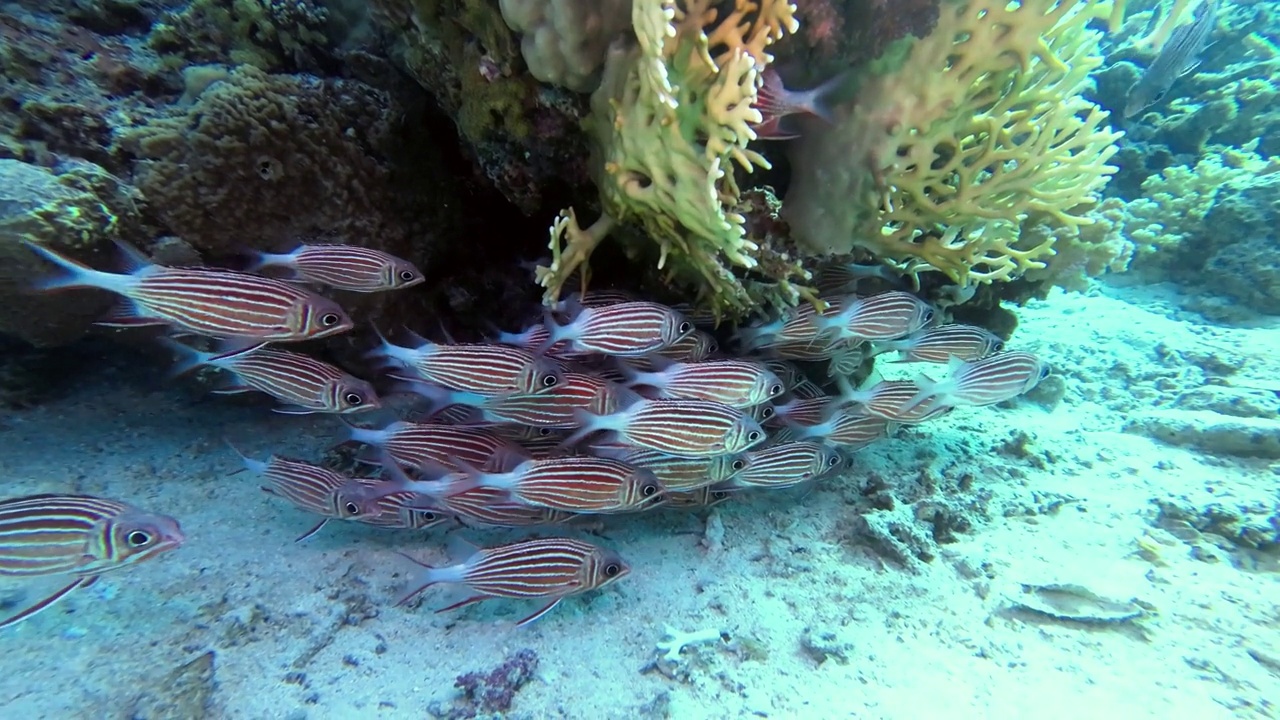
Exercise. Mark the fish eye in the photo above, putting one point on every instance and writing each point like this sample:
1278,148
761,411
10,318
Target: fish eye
834,461
545,432
428,515
719,494
713,348
612,569
138,538
550,381
767,412
739,464
685,327
928,315
649,490
354,399
998,346
330,319
352,508
753,436
407,275
775,390
1045,372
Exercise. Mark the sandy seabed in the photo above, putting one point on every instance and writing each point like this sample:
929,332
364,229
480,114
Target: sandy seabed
1047,559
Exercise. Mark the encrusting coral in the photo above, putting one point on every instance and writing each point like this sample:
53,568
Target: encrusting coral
945,156
668,123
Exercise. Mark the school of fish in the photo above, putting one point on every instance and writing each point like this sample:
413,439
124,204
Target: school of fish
610,404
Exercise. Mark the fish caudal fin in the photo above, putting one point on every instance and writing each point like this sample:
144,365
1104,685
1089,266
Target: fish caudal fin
76,274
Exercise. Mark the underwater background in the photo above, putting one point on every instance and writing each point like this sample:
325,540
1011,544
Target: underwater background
1052,225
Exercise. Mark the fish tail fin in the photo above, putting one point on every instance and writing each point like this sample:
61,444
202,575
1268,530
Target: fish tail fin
930,395
822,100
423,577
256,261
188,358
75,274
256,467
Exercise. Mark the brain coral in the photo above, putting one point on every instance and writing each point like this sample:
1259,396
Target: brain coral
281,157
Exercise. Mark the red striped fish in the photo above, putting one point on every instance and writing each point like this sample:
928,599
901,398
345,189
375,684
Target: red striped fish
483,369
401,511
849,427
889,399
694,347
302,383
575,483
426,445
624,329
982,382
886,316
786,465
490,507
78,536
736,383
205,301
820,349
803,411
316,489
799,327
548,569
942,343
697,499
552,409
687,428
345,267
679,474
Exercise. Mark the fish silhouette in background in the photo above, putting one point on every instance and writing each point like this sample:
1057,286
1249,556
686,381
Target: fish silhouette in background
1178,57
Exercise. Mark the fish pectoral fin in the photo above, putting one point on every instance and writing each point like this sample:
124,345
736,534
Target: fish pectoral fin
49,600
125,314
293,410
312,531
460,603
543,611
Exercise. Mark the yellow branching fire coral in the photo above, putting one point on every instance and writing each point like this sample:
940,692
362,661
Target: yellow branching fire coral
942,159
668,123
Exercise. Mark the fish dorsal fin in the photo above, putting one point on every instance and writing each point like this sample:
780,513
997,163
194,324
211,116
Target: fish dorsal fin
132,259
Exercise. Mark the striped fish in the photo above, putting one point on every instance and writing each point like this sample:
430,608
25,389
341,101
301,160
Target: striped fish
785,465
204,301
548,569
490,507
344,267
1179,56
849,427
624,329
819,349
576,483
686,428
484,369
679,474
78,536
841,278
312,488
703,317
803,411
304,384
426,445
400,511
736,383
982,382
552,409
942,343
697,499
889,399
694,347
799,327
886,316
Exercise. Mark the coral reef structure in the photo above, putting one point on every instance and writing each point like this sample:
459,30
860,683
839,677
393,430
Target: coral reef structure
947,153
668,124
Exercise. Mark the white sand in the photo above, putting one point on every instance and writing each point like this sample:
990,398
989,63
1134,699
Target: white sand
819,624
